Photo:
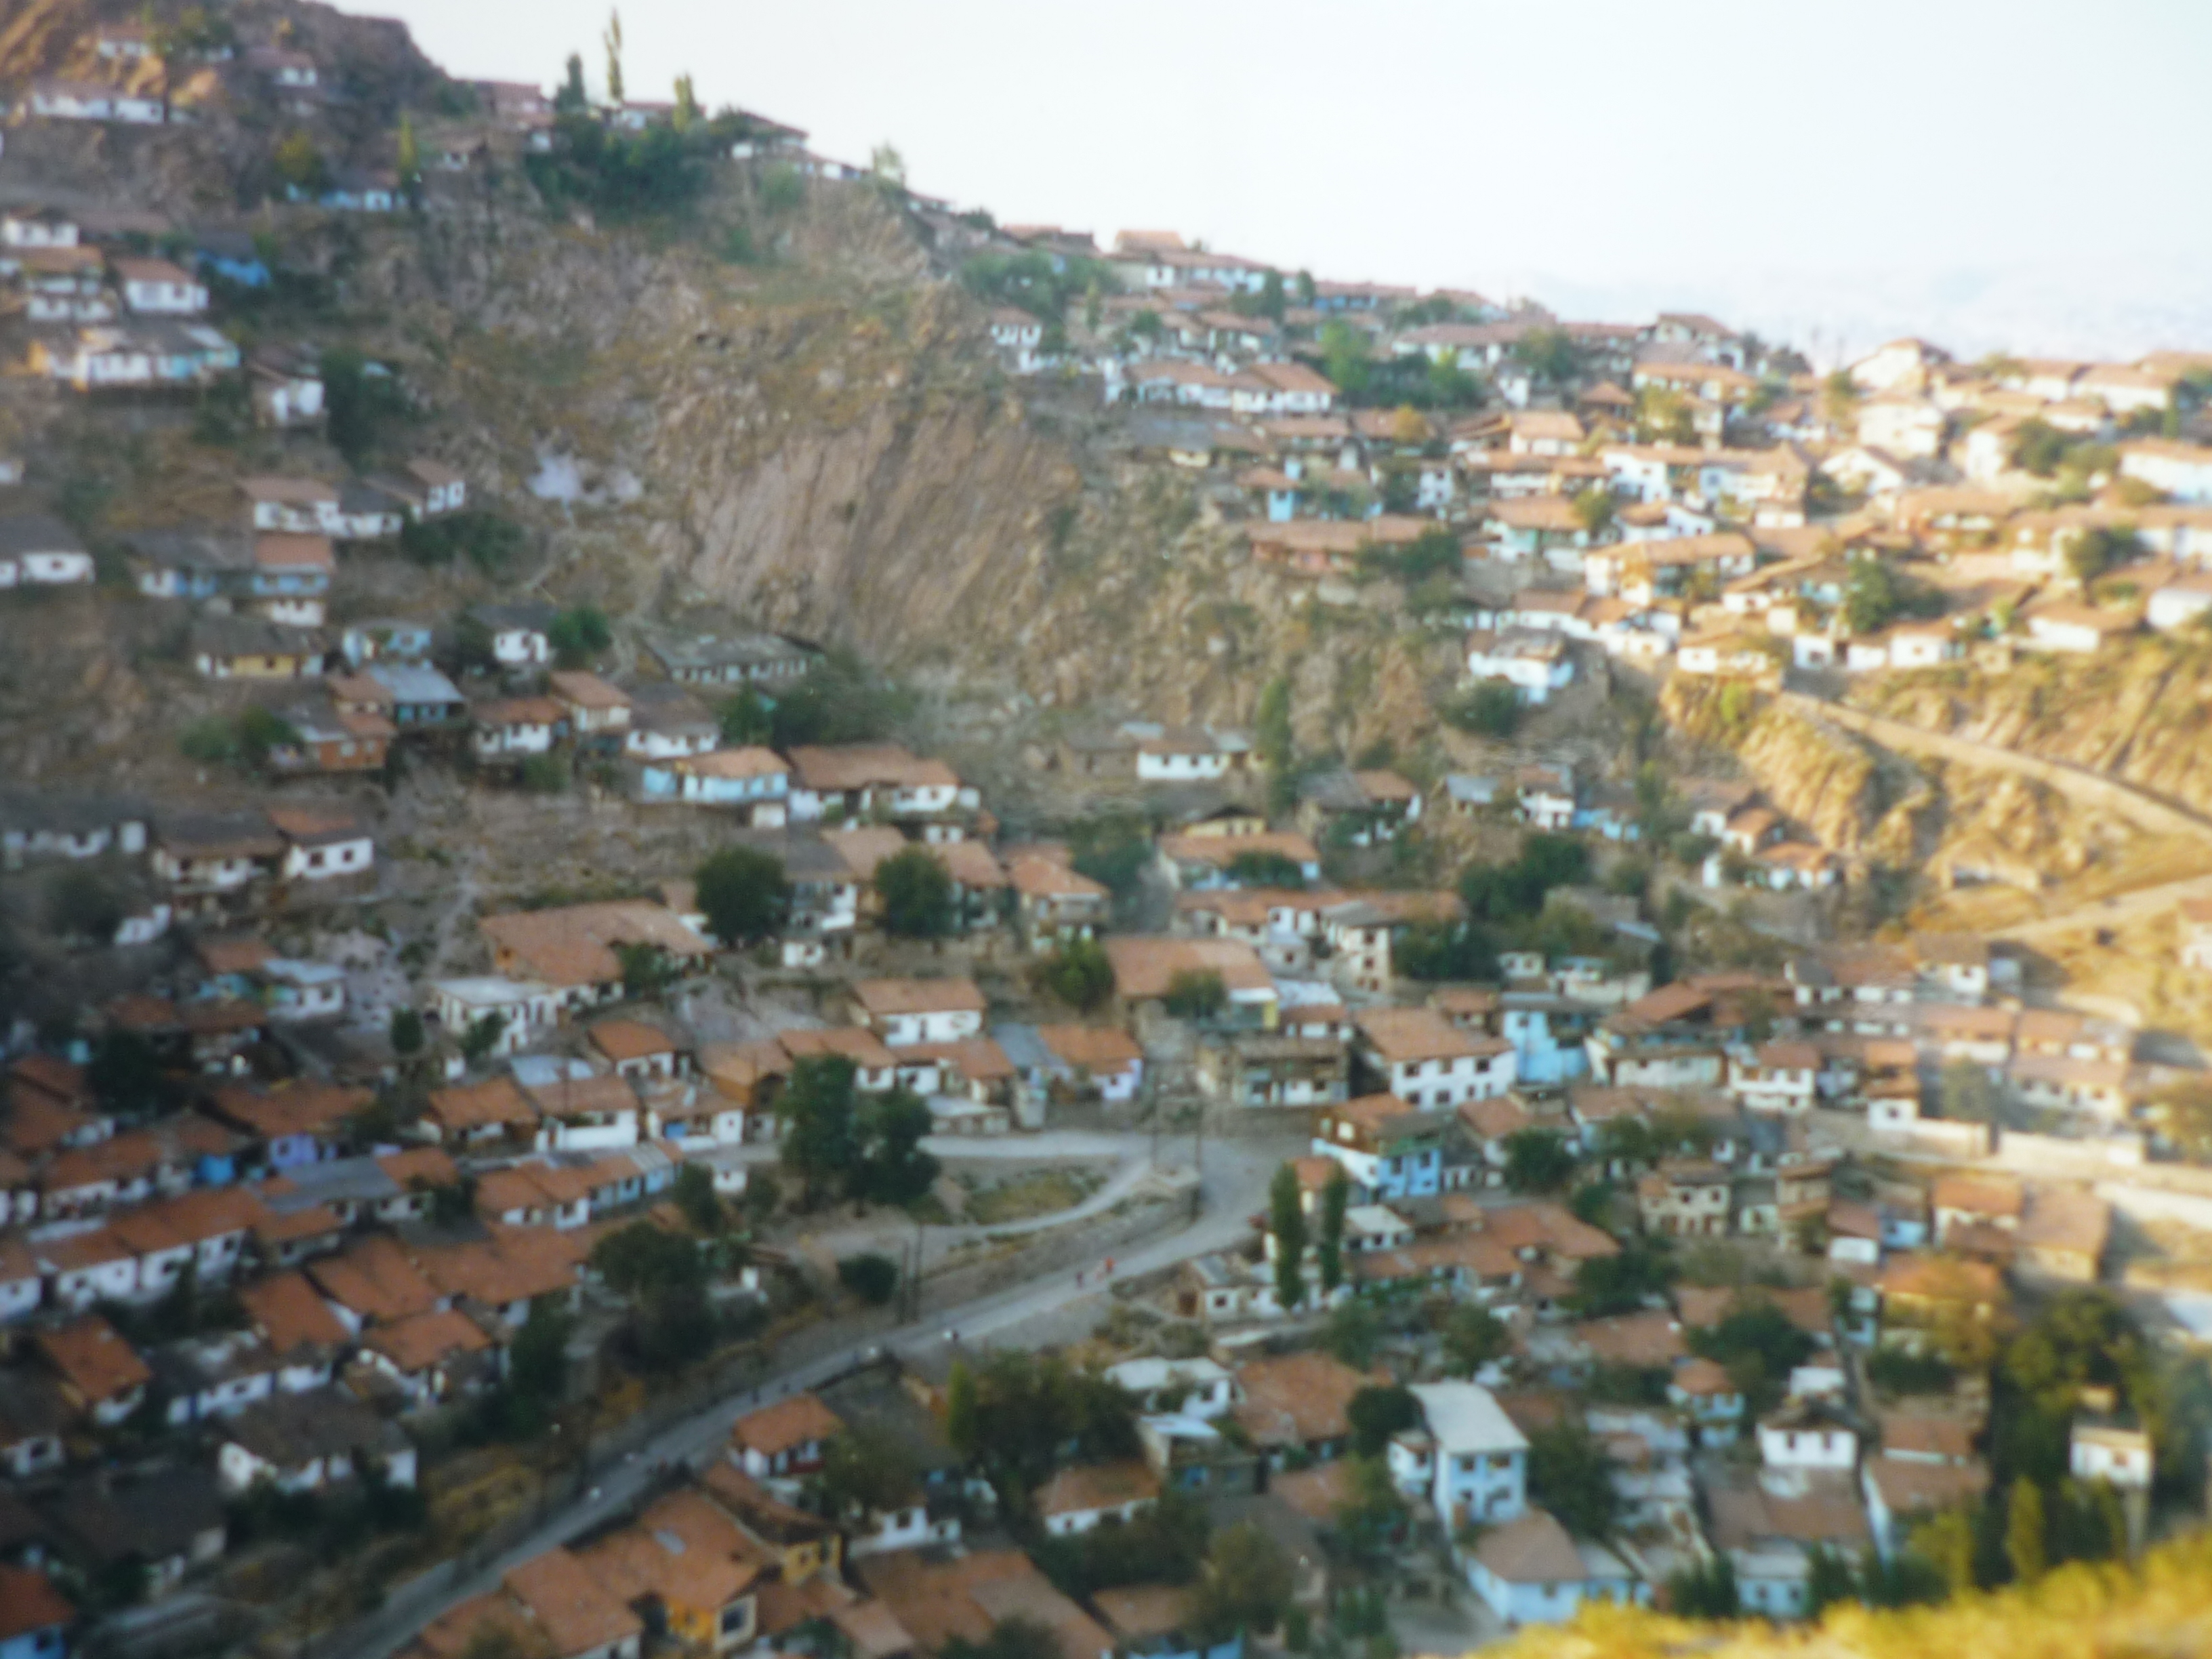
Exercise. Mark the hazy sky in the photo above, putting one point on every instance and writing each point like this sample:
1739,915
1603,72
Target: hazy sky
1996,164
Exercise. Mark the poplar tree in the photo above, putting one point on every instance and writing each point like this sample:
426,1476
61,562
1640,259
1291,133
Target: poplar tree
1290,1230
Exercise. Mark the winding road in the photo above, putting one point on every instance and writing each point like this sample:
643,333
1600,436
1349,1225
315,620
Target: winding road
1232,1188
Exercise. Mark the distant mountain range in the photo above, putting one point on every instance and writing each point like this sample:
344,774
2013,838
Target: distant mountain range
2087,309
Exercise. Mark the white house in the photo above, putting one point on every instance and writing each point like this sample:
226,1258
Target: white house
1530,1570
2100,1450
909,1010
2180,602
522,1007
753,778
517,633
1181,757
2182,471
39,549
37,226
156,287
1469,1460
304,990
1534,662
1019,335
1806,1434
91,100
1776,1077
1429,1062
1079,1500
1198,1387
1901,364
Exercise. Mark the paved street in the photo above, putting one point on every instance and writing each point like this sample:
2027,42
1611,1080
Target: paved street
1234,1187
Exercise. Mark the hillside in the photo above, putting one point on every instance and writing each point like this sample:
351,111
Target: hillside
2137,710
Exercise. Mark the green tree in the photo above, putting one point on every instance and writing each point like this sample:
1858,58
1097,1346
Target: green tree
1266,870
687,104
1609,1285
917,892
1571,1474
483,1036
821,1143
578,634
1538,1161
299,164
1594,510
1274,301
363,408
1549,354
124,1074
1328,1245
538,1359
1245,1585
663,1277
1344,358
1196,994
747,717
405,1032
571,99
1370,1515
1759,1345
1352,1334
1078,975
1705,1591
1287,1225
1271,726
2025,1547
1872,599
872,1278
1375,1413
261,730
612,39
1032,1408
696,1197
1488,708
1828,1579
2184,1113
2039,447
892,1168
410,166
963,1427
647,969
1966,1093
744,895
83,903
2099,549
1472,1338
1945,1541
867,1470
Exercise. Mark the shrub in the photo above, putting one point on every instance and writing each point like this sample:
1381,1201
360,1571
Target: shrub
872,1278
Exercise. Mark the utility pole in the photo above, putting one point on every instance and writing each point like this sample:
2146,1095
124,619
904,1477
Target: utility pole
1198,1172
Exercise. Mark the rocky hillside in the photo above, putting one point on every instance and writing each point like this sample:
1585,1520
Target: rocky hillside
2137,712
1955,825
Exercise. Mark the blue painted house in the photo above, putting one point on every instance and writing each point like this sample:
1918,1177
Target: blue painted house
751,778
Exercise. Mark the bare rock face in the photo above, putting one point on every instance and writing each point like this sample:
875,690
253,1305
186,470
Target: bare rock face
903,528
2140,711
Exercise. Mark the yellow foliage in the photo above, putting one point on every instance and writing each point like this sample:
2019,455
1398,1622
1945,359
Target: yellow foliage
2161,1608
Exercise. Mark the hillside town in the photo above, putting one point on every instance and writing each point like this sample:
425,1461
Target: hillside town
1166,1192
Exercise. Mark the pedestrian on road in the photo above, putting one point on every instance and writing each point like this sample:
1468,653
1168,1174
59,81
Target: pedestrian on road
1079,1278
